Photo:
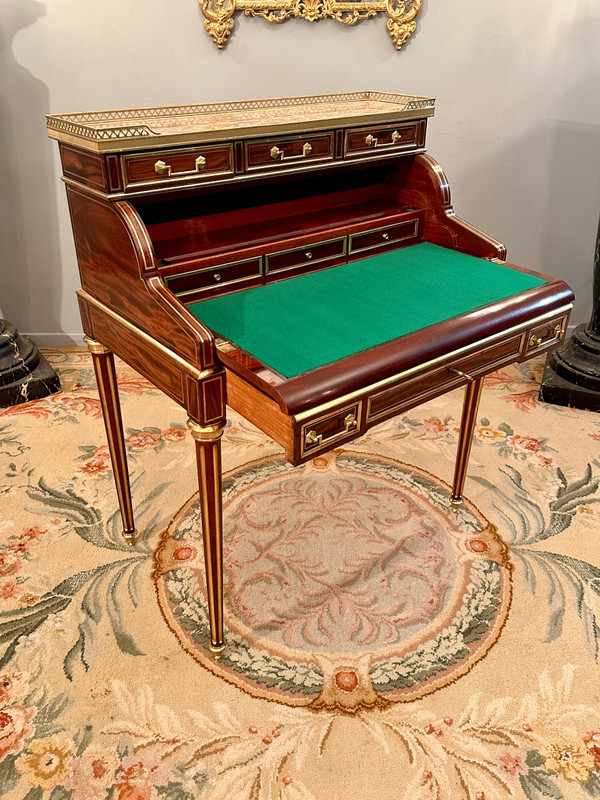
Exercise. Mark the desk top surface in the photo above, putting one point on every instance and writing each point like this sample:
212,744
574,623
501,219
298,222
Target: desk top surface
147,128
303,323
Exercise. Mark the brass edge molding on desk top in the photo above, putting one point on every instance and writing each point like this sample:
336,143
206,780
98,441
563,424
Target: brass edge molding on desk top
188,368
434,362
132,128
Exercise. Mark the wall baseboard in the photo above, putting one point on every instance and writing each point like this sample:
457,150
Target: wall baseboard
57,339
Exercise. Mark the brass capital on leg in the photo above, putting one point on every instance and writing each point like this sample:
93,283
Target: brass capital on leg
94,346
208,458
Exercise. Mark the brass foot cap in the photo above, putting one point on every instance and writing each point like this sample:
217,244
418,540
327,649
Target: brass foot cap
456,503
129,538
217,648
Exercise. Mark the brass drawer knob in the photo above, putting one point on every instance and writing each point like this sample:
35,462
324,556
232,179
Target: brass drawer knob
217,276
385,236
350,422
312,437
537,341
161,168
277,152
461,374
308,255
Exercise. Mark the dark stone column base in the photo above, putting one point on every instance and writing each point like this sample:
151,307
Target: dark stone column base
24,372
572,373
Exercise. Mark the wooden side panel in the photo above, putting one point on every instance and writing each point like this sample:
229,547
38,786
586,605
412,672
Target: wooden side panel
262,411
423,184
114,253
149,362
87,168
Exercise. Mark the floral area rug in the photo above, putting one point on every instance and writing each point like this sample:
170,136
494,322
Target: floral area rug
378,646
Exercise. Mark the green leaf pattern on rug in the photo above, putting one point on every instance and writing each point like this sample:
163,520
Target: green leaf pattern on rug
563,577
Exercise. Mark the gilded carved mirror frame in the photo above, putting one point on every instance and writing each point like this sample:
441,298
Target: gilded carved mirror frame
400,23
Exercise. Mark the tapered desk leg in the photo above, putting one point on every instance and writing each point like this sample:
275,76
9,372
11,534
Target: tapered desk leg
208,457
106,377
465,439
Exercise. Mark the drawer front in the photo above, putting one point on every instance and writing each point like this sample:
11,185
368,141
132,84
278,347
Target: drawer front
328,430
415,390
547,335
214,277
384,237
389,138
296,151
185,166
306,256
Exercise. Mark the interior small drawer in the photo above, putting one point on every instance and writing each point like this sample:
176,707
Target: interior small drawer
547,334
306,256
386,138
289,151
214,277
189,165
411,391
384,237
320,434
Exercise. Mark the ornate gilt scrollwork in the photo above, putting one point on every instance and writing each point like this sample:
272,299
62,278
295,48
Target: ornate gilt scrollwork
400,23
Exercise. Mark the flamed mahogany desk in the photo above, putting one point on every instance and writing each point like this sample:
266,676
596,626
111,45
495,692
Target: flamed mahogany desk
298,259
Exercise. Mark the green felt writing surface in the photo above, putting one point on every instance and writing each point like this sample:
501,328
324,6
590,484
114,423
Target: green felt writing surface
302,323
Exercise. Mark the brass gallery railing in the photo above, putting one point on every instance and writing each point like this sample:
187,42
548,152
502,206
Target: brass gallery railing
400,23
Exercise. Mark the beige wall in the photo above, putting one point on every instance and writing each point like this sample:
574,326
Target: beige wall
517,126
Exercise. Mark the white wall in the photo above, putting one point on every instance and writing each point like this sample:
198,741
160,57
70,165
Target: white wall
517,126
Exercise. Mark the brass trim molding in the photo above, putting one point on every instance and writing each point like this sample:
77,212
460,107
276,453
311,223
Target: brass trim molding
434,362
205,434
143,129
400,23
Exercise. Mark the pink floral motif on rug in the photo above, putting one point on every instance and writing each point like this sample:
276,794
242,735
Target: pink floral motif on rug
349,582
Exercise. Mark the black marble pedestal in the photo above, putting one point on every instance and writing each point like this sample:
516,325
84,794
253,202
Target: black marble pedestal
24,372
572,372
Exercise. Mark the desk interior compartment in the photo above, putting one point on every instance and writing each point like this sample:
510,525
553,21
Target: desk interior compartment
298,224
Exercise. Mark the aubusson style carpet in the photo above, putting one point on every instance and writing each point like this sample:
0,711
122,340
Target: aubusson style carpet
378,646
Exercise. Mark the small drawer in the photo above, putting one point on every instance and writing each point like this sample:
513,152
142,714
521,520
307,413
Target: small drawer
214,277
367,141
189,165
384,237
269,154
306,256
546,335
320,434
412,391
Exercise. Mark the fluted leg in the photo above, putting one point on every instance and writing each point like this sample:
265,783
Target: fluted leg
465,439
106,377
208,457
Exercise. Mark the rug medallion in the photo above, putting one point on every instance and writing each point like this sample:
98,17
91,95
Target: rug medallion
349,582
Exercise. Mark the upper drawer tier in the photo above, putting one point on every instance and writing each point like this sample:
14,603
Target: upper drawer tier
288,151
388,139
187,166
